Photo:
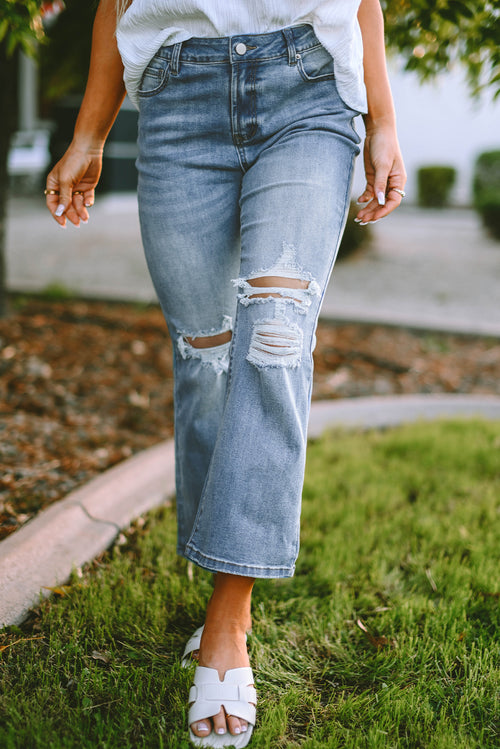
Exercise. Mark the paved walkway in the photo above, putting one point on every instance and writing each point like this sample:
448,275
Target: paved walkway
430,269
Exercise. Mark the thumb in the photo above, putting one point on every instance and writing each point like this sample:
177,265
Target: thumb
64,201
380,185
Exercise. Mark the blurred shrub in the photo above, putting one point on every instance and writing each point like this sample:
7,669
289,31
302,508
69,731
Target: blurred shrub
355,236
486,190
434,185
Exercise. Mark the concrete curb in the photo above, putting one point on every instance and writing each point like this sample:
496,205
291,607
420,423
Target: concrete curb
43,553
420,323
73,531
385,411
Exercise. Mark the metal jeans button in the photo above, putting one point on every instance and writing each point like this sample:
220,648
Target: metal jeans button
240,48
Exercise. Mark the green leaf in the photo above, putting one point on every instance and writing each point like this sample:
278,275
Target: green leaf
4,25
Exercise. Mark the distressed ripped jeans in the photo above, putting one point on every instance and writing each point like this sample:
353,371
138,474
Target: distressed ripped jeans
245,160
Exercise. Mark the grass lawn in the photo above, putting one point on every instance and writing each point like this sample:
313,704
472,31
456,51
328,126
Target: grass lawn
388,635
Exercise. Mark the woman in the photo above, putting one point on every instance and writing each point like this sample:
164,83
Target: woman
246,151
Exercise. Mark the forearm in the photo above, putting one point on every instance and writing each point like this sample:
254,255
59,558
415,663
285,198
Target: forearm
105,89
380,103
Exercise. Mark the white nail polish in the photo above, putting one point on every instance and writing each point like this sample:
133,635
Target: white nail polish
62,226
357,220
202,727
59,210
88,205
381,198
237,731
363,202
220,731
244,729
364,223
84,221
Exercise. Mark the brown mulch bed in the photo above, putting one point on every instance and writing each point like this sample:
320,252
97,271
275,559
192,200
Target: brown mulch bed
84,385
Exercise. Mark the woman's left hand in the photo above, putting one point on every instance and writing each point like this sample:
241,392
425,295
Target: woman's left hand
385,175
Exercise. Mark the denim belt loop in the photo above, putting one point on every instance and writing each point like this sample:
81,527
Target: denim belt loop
174,61
290,42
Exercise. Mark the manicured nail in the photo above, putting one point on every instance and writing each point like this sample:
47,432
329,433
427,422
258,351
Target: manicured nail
381,198
363,202
202,727
88,205
84,220
59,210
244,729
364,223
220,731
237,730
63,226
357,220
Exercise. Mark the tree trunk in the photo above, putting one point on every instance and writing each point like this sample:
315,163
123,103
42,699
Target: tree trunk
8,109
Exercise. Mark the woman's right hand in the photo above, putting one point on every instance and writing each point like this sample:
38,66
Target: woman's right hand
71,183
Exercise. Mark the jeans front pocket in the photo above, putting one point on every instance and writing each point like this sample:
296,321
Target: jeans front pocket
155,76
315,64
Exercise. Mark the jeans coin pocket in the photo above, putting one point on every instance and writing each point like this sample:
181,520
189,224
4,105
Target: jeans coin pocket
315,64
155,76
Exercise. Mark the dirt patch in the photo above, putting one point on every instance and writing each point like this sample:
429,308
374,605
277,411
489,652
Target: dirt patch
84,385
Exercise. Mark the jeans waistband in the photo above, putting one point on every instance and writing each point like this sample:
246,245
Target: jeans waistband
243,48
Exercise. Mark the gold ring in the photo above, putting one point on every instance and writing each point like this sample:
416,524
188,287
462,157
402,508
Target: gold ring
51,192
400,192
77,192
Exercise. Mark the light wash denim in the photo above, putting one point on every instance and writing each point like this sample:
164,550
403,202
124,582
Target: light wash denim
246,154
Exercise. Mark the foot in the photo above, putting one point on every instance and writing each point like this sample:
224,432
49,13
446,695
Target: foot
223,644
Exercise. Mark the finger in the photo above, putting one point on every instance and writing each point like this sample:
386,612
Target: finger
52,195
67,184
399,191
374,212
88,198
52,199
78,199
380,184
72,215
365,197
61,206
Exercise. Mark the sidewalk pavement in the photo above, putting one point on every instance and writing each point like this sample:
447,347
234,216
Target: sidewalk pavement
430,269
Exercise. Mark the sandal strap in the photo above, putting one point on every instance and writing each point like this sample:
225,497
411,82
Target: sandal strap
192,644
235,693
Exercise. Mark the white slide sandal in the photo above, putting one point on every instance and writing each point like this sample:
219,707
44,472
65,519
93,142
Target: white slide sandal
236,694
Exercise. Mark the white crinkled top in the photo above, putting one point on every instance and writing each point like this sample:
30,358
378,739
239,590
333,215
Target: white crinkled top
148,25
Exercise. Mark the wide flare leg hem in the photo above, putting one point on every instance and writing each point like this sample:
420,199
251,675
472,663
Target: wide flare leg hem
213,564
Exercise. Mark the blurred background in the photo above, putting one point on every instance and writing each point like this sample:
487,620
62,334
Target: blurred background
436,259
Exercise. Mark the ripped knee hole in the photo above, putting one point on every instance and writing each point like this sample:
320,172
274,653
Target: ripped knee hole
275,282
209,341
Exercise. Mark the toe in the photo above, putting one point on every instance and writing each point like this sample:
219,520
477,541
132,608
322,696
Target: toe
202,728
235,725
220,726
